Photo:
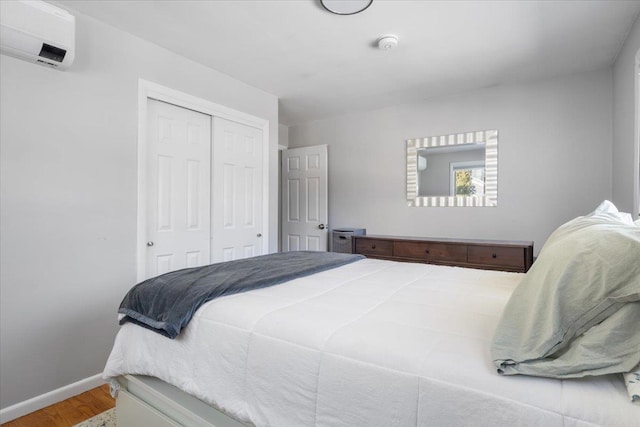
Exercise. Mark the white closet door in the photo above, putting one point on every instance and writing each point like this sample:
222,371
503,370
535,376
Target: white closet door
178,188
304,199
237,191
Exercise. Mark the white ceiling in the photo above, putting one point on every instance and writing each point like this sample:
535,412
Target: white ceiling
322,65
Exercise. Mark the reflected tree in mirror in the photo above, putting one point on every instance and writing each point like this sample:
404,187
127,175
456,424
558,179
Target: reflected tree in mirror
453,170
467,178
466,183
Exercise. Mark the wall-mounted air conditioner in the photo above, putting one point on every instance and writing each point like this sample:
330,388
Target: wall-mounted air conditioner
37,32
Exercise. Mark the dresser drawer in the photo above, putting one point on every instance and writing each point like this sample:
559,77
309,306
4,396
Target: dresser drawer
374,247
496,255
430,251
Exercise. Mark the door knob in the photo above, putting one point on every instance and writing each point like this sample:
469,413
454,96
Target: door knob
149,243
321,226
259,235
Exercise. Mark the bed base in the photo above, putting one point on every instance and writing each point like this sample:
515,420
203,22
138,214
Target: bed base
148,401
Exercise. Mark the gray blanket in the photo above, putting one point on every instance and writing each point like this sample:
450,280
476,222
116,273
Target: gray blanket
166,303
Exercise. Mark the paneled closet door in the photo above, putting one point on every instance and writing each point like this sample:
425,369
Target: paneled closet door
237,191
178,188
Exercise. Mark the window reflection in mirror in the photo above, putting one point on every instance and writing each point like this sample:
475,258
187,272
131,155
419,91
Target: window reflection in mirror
456,170
467,179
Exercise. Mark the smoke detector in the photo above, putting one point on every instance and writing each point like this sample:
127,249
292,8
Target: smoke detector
388,42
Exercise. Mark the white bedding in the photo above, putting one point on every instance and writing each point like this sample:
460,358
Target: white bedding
373,343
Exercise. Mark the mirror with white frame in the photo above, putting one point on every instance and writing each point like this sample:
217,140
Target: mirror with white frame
453,170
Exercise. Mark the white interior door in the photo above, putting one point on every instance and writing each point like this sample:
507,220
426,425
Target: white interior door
178,188
304,199
237,191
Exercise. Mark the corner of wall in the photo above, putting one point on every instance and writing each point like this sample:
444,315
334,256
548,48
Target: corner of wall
625,140
283,136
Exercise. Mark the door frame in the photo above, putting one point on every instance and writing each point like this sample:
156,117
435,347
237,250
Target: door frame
150,90
636,166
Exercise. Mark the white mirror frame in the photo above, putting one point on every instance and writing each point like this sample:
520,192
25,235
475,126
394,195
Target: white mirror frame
490,198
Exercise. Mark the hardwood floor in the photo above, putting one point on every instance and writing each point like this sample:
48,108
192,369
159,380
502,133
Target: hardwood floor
68,412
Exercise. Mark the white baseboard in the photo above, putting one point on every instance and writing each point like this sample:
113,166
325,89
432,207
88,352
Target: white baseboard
28,406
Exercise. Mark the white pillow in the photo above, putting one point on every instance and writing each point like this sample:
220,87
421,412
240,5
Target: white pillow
607,209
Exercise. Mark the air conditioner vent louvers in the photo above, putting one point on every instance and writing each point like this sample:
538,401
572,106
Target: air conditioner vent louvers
50,64
52,52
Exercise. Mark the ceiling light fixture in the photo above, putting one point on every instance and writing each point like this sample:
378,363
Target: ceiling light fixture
388,42
345,7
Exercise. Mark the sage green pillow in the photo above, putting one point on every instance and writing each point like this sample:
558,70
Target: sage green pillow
576,313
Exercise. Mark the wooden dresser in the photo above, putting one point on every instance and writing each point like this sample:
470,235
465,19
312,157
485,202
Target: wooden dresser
503,255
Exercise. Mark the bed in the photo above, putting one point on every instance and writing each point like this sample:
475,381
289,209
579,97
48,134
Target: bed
370,343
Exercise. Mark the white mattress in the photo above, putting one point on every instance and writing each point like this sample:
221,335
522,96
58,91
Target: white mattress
373,343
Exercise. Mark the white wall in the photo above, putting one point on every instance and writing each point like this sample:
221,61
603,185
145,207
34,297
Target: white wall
625,156
68,198
283,135
554,159
283,142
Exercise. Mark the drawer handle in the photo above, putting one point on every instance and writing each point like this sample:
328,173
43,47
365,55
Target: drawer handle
494,256
373,246
427,251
